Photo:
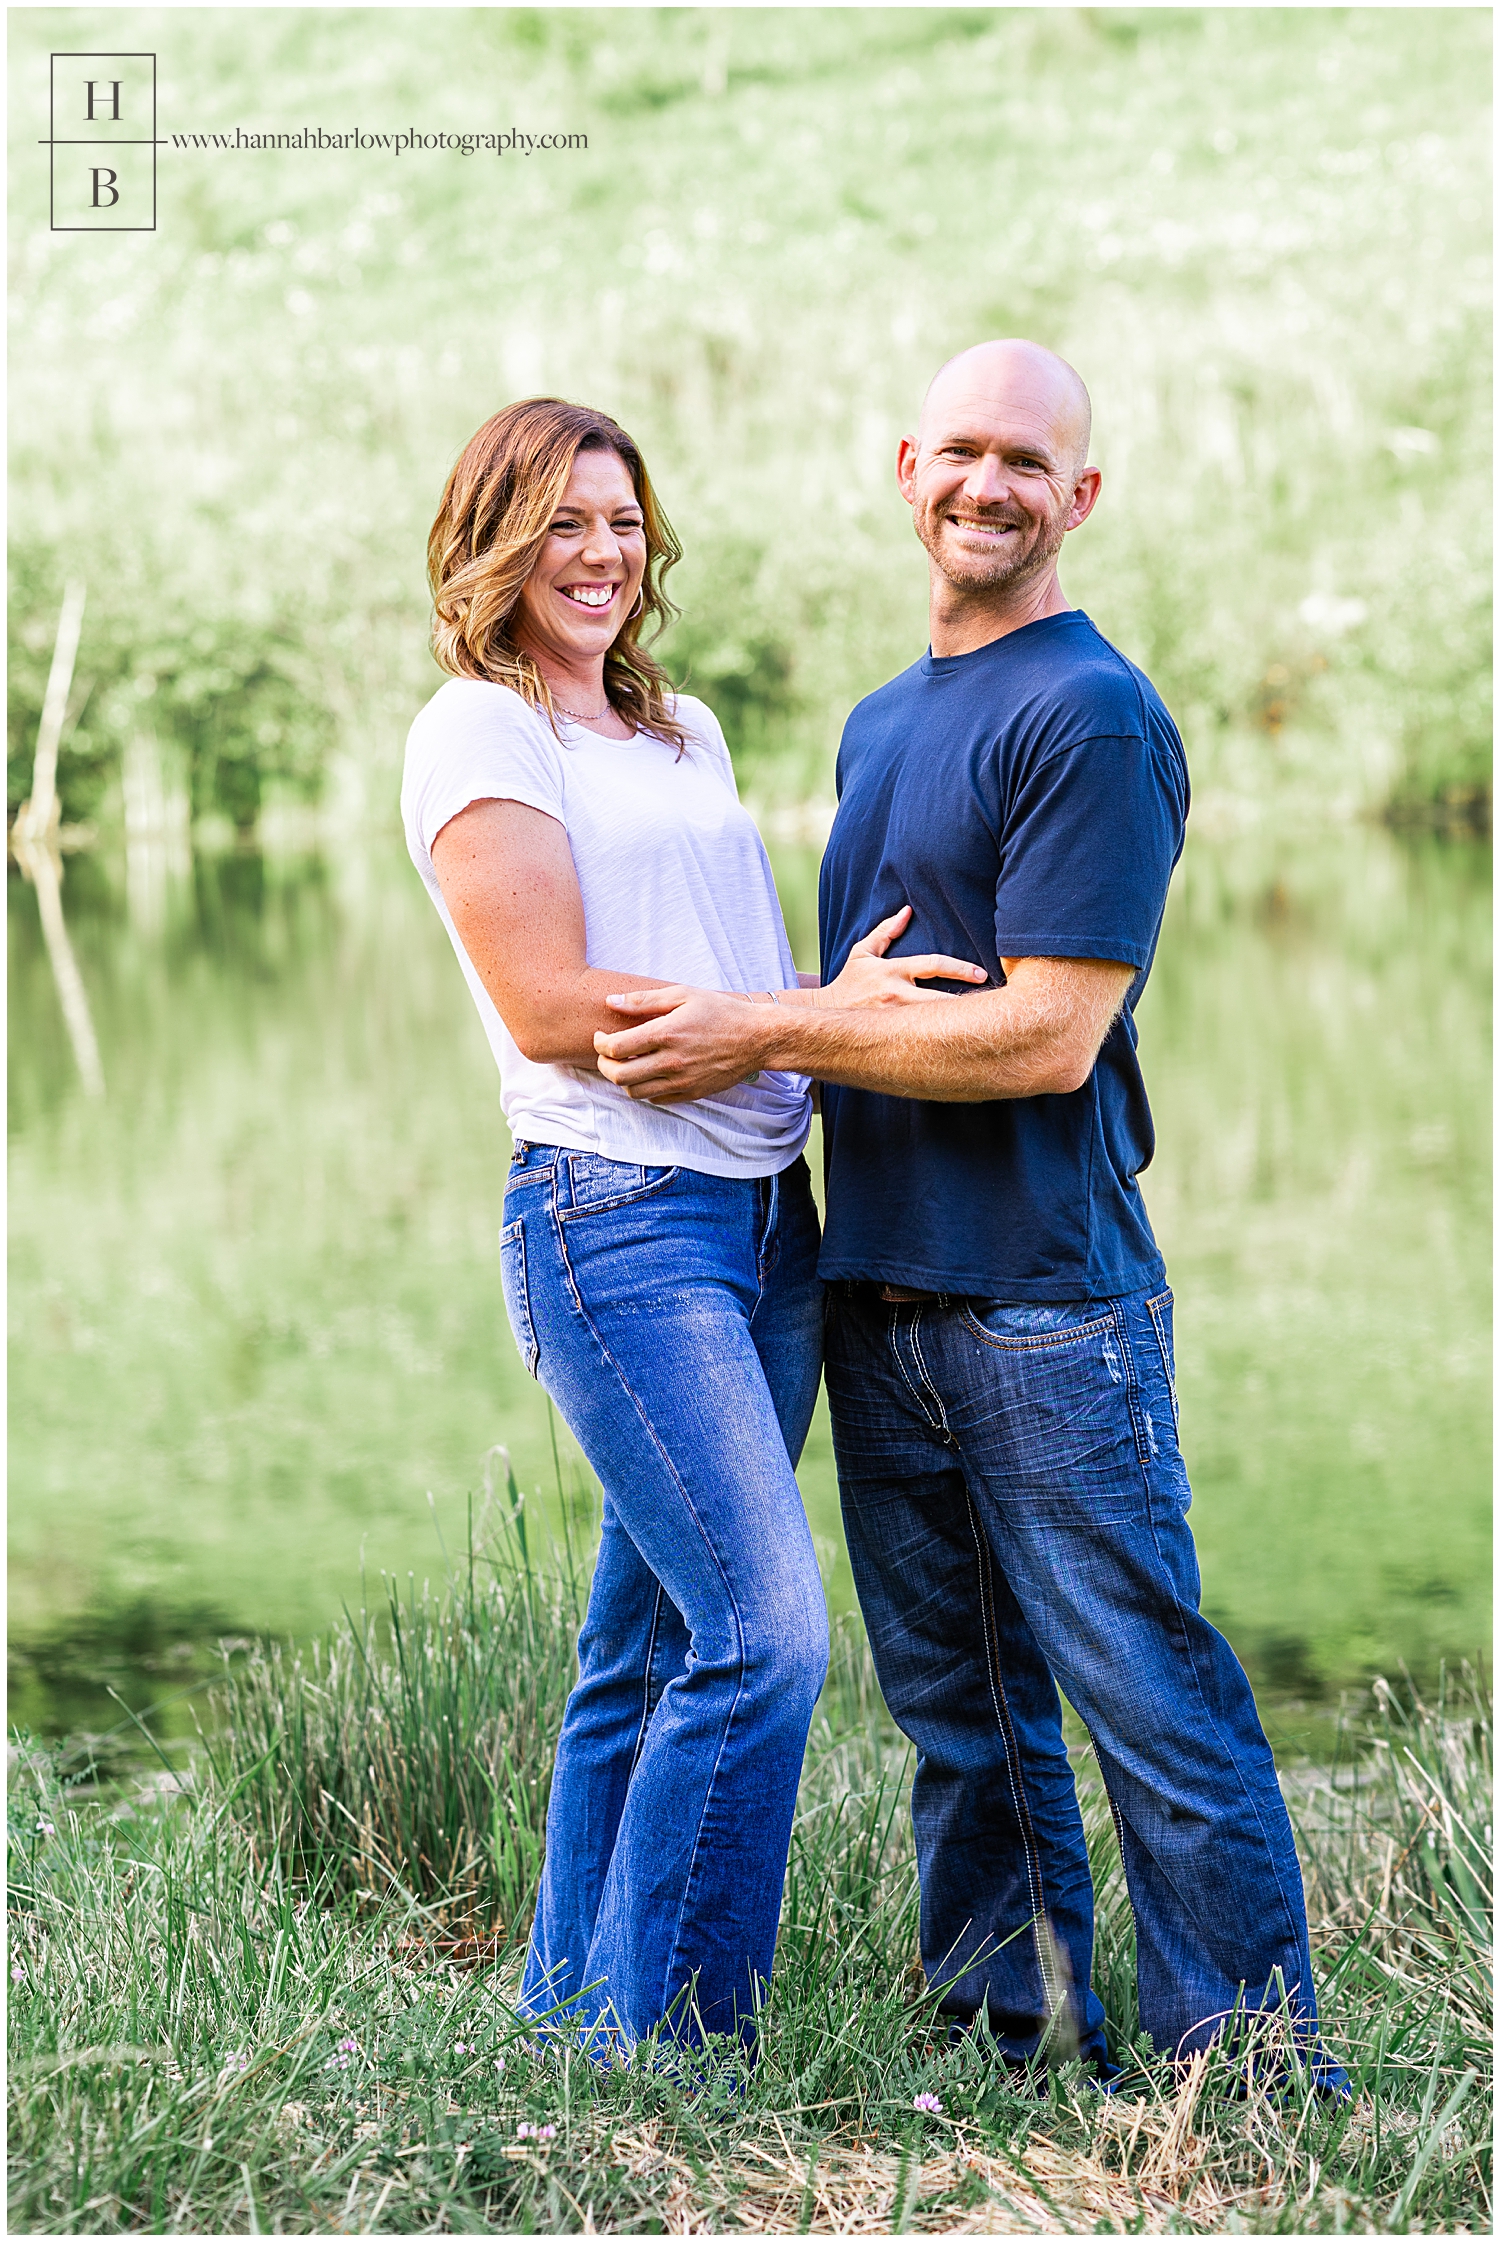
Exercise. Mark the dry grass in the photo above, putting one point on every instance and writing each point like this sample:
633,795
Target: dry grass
1154,2171
1163,2163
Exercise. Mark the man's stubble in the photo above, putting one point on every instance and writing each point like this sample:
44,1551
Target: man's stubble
1005,571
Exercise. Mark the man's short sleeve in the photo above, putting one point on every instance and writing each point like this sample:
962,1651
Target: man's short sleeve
1089,841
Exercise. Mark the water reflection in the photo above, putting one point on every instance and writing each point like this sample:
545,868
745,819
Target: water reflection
35,841
42,866
256,1313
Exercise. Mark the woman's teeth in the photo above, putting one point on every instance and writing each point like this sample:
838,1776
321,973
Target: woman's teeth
589,595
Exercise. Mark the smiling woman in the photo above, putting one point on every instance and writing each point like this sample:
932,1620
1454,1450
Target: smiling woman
547,558
578,829
568,816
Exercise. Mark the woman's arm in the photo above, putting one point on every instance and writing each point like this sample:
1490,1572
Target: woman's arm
511,888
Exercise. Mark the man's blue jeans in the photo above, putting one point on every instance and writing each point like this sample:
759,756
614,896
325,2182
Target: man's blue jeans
1016,1509
676,1320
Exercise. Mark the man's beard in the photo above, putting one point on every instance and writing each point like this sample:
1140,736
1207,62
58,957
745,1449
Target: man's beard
983,572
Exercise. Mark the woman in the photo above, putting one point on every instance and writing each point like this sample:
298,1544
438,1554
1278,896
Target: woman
577,825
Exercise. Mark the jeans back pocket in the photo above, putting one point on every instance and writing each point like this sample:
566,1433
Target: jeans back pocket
517,1298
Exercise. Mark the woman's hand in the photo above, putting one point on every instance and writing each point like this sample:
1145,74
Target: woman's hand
870,977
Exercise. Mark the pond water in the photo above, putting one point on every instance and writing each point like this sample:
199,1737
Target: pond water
257,1338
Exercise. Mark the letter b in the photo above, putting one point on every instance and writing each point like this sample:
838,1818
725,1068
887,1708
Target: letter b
109,181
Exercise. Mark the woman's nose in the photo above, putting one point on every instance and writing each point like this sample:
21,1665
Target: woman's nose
601,544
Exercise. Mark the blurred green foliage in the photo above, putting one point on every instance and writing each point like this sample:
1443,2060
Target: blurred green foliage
231,706
1261,234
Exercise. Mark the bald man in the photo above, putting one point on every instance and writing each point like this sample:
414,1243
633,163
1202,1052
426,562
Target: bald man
999,1327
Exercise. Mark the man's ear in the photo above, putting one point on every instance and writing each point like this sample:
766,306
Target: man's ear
906,467
1085,492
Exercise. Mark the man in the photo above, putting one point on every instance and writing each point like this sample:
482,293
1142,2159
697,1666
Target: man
999,1335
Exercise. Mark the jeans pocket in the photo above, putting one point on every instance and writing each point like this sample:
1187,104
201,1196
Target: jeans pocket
1043,1326
517,1298
1061,1438
1160,1312
592,1184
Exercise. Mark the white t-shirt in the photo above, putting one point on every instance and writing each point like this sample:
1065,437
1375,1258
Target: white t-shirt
676,887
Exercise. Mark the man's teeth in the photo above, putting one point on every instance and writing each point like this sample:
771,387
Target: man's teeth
589,595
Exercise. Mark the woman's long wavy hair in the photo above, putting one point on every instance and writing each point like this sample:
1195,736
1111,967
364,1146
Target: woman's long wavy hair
490,529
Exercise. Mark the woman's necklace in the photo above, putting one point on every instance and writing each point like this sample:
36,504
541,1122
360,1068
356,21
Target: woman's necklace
578,715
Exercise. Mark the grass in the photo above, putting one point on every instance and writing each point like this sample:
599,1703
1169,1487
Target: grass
272,1992
316,1746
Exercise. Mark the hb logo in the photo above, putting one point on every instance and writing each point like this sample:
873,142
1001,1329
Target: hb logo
103,143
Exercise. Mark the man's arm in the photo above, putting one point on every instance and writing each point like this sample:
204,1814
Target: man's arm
1038,1036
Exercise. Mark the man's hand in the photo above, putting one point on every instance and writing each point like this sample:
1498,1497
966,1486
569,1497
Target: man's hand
870,977
692,1042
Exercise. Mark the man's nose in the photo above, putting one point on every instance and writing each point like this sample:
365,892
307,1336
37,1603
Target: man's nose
987,482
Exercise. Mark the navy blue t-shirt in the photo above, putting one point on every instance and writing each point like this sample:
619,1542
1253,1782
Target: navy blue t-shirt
1027,800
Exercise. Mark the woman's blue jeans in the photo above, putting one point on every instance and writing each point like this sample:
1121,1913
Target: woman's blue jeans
1016,1508
676,1320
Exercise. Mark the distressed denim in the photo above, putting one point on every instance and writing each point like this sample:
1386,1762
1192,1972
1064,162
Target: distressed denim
1016,1509
676,1320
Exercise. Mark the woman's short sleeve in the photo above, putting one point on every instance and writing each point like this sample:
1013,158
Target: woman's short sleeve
475,742
706,732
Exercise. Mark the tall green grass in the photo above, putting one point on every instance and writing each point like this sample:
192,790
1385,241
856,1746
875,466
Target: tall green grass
278,1995
408,1753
